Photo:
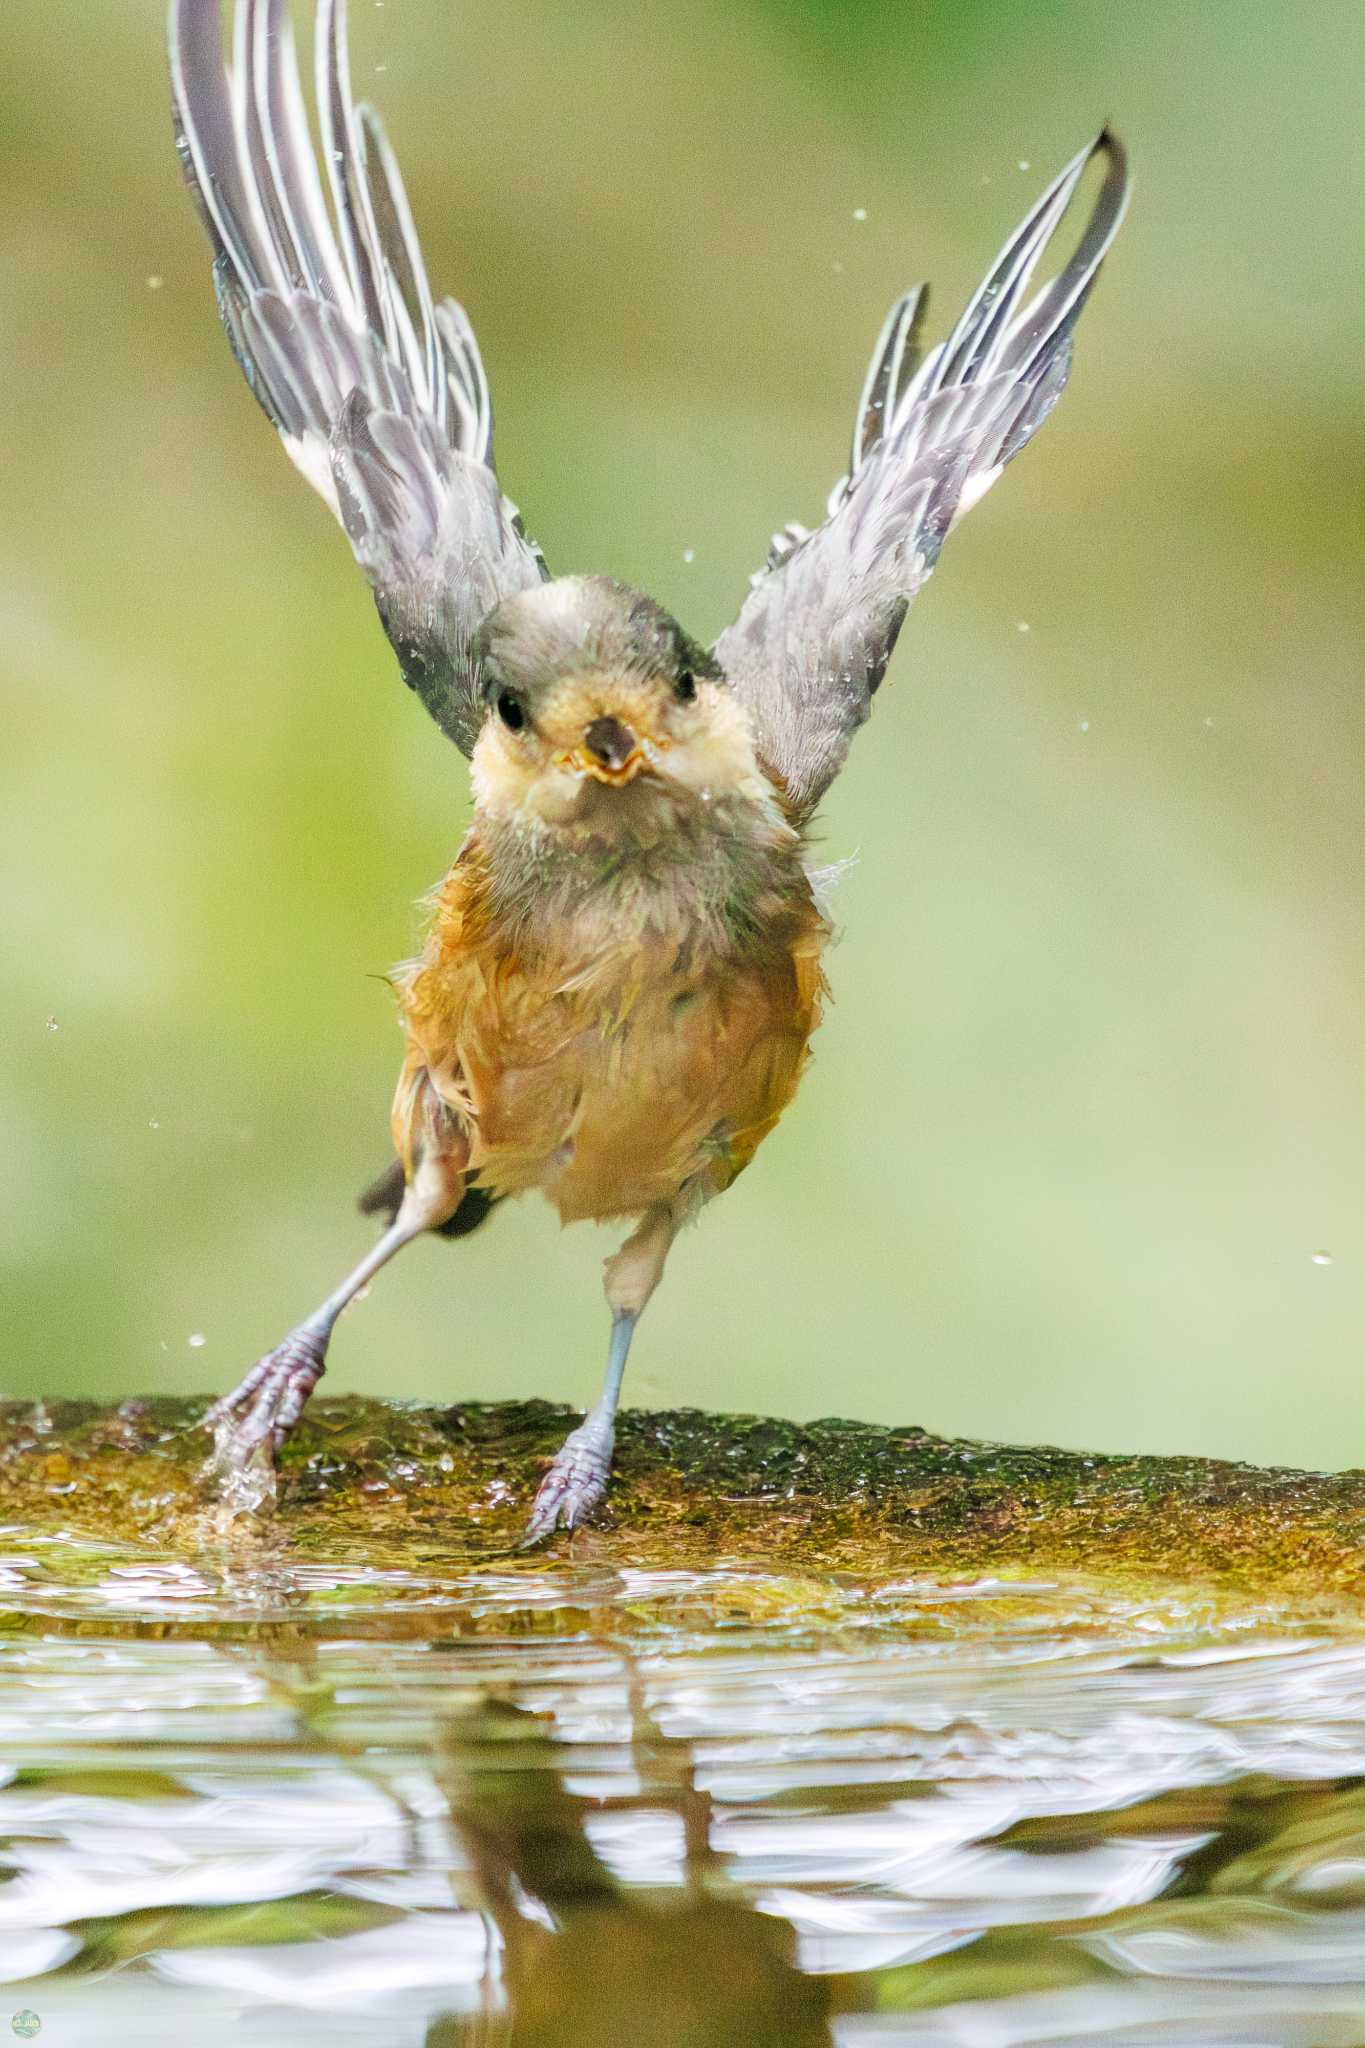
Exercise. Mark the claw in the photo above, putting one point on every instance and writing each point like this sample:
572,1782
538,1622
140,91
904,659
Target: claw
256,1419
574,1484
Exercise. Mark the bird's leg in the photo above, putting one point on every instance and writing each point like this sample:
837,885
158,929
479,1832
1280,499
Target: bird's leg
259,1415
263,1409
577,1479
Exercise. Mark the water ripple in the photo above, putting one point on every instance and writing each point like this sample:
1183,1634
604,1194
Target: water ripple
263,1798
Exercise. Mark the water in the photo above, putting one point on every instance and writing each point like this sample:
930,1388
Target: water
255,1797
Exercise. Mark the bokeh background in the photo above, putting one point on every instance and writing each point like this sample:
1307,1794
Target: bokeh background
1082,1153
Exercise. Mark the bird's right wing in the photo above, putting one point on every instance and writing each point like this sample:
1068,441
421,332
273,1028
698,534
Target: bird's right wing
377,391
814,635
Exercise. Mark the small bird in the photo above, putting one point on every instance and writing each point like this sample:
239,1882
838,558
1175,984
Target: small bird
623,972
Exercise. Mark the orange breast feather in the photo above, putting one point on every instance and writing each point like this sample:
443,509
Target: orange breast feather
616,1076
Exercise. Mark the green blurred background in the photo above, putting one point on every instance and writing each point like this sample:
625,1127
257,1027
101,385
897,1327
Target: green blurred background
1090,1098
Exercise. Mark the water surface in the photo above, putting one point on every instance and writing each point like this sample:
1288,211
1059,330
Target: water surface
253,1798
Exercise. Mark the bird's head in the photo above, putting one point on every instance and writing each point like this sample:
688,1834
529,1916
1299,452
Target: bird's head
602,715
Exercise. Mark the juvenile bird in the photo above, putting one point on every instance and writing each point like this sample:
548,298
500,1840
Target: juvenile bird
624,969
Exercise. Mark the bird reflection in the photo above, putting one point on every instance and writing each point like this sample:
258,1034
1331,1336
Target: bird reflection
584,1957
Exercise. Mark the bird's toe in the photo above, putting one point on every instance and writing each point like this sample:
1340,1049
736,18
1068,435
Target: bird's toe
574,1484
258,1416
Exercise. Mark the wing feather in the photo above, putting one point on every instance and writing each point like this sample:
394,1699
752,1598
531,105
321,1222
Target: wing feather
377,390
288,147
894,361
813,638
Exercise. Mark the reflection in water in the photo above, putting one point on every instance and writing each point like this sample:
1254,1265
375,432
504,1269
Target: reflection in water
615,1925
580,1804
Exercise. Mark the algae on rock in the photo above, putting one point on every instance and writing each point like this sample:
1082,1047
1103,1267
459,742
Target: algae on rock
693,1490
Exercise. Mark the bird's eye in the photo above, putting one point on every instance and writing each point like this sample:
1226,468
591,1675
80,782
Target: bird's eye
511,711
685,687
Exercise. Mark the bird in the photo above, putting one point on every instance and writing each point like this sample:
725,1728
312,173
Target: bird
625,963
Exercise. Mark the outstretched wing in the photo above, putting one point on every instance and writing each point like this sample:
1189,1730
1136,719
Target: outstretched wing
814,636
377,391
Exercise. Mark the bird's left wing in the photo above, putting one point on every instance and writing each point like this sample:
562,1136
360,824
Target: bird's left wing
816,632
377,391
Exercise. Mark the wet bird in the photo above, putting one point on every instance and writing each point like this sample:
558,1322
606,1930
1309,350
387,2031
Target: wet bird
623,970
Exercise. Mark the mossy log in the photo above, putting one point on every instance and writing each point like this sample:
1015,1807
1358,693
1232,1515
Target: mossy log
695,1491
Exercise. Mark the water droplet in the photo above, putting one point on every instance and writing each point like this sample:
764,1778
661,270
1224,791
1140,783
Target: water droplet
53,1025
1024,164
1322,1258
1208,725
837,268
1085,725
1023,626
689,554
860,213
154,284
153,1124
198,1341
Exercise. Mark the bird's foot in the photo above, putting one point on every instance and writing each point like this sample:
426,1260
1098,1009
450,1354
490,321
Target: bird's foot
575,1482
254,1422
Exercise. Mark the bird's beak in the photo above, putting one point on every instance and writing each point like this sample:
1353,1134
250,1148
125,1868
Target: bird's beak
609,752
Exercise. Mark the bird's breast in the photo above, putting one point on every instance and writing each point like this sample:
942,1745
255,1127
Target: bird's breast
614,1073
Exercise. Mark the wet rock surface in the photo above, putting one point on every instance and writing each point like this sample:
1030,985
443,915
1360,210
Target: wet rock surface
825,1735
828,1497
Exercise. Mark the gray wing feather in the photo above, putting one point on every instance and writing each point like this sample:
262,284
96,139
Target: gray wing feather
377,390
813,638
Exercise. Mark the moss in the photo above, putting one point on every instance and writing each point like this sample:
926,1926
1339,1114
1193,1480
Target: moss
844,1503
